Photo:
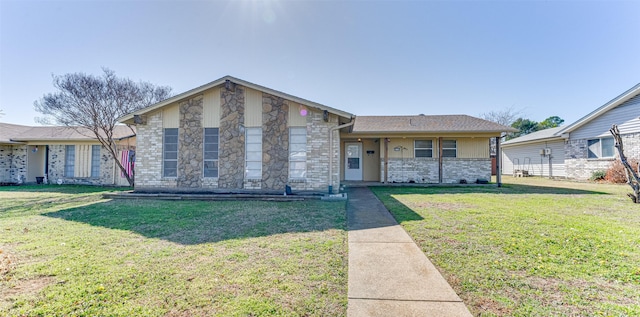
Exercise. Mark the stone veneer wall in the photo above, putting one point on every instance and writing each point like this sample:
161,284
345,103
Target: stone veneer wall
6,156
275,142
190,138
148,166
56,168
418,170
13,163
578,166
469,169
231,148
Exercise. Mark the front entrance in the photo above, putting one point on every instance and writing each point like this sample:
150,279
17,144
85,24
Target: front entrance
35,162
353,161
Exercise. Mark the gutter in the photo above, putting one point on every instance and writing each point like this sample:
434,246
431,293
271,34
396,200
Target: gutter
331,130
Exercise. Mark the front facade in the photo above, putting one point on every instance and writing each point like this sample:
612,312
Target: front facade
419,149
583,147
589,145
58,155
232,135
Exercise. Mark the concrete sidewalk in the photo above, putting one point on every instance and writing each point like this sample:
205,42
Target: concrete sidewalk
388,274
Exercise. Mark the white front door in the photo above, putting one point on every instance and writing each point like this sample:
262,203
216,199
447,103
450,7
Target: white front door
353,161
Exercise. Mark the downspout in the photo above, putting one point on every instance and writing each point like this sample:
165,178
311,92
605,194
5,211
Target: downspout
331,130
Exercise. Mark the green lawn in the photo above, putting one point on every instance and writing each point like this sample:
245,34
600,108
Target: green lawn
65,251
532,248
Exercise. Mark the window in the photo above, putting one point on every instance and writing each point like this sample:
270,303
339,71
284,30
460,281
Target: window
95,161
253,167
211,152
423,148
69,160
297,152
449,148
170,153
598,148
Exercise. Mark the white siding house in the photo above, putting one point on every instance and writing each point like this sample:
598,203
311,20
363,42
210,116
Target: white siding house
589,145
583,147
540,154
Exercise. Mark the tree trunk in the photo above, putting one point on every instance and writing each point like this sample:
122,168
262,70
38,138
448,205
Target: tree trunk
632,177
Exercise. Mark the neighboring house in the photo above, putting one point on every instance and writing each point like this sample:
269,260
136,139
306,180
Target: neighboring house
57,154
231,134
540,153
587,143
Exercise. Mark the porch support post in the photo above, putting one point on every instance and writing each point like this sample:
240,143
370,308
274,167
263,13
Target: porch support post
386,159
440,160
498,161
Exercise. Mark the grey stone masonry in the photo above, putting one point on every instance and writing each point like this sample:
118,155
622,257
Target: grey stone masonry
107,168
13,163
469,169
231,156
190,134
6,156
275,142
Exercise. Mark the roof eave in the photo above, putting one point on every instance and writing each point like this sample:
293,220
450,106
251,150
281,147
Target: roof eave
622,98
128,119
553,138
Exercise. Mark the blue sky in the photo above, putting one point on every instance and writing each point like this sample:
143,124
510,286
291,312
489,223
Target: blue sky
365,57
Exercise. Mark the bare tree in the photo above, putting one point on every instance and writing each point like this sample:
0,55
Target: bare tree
505,117
88,102
632,177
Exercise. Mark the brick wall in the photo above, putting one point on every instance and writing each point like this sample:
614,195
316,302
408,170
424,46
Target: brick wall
425,170
149,156
578,166
469,169
318,154
418,170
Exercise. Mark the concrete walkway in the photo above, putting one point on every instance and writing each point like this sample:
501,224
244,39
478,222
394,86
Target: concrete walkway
388,274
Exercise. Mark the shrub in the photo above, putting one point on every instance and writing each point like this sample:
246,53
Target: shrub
598,175
616,172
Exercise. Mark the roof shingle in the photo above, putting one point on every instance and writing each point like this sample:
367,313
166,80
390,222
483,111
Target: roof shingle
13,133
426,123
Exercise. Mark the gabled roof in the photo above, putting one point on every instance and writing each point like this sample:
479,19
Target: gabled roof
546,134
426,124
622,98
16,134
222,81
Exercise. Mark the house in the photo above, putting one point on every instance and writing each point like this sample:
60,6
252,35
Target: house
587,143
231,134
56,154
540,153
419,149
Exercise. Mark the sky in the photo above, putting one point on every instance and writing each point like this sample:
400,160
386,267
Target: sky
541,58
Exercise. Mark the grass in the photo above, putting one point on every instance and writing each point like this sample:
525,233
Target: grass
534,247
65,251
